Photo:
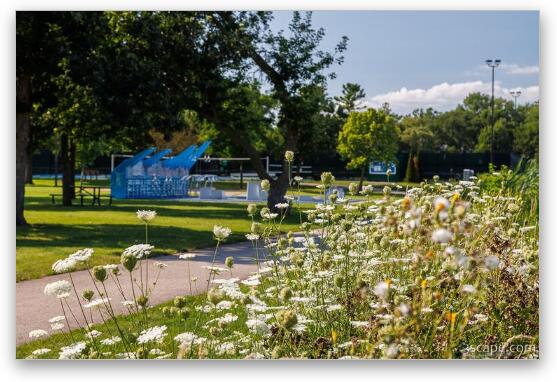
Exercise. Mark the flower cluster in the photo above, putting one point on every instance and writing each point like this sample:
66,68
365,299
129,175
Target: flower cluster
432,272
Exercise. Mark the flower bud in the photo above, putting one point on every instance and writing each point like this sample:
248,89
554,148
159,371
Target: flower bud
265,185
179,302
264,212
327,178
166,312
339,281
229,262
88,294
215,295
142,301
256,228
285,294
287,319
184,313
128,261
100,273
252,209
289,156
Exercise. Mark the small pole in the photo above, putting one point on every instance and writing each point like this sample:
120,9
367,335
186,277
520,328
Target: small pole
56,171
241,175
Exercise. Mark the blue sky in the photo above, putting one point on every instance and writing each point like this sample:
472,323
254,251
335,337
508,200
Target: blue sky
423,58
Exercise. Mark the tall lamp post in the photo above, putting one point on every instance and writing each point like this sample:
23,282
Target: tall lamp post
515,94
492,64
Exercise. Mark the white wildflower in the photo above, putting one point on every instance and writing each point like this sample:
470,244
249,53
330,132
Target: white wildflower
221,233
146,215
96,302
82,256
41,351
186,338
111,341
73,351
64,265
56,319
57,326
139,251
491,262
441,204
441,235
258,327
152,334
381,289
38,333
468,288
93,334
59,289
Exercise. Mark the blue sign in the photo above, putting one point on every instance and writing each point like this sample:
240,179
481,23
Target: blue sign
380,168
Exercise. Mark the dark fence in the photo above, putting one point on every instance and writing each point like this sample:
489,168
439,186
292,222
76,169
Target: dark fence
446,165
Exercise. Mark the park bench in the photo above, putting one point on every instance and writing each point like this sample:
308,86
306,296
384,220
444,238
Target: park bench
83,192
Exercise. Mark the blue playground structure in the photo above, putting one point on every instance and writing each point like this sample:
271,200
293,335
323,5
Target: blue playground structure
148,176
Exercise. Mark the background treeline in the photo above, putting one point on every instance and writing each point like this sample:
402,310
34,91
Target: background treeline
94,83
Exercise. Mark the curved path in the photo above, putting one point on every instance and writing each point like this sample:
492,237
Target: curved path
34,309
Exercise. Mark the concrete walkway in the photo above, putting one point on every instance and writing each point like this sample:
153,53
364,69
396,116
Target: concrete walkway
34,309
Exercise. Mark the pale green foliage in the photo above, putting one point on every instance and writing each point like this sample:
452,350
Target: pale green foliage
366,136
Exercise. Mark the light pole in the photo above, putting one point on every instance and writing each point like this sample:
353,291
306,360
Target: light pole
515,94
492,64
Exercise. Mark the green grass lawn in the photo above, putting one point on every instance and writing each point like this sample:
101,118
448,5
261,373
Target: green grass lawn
174,324
56,231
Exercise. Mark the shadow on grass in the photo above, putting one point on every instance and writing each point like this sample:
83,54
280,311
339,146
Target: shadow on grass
117,236
195,210
167,240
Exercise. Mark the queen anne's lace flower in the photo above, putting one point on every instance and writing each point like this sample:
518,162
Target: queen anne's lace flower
139,251
73,351
154,334
59,289
221,233
38,333
441,236
41,351
257,326
146,215
64,265
83,255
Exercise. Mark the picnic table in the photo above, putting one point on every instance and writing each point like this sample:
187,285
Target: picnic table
81,192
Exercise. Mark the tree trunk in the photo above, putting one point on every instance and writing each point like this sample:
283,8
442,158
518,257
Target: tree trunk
23,132
29,170
56,169
362,173
417,167
66,170
278,190
72,167
29,162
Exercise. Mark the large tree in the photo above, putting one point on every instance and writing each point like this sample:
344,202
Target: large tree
37,53
527,134
290,63
142,69
367,136
349,100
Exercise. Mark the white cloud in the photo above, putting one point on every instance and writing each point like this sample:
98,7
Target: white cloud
444,96
517,69
511,69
